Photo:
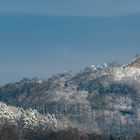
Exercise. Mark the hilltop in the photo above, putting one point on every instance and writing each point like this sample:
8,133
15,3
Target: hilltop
103,100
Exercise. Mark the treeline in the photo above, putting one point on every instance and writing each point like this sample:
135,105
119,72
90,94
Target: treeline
12,132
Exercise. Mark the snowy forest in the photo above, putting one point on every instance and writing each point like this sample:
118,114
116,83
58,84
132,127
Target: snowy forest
97,103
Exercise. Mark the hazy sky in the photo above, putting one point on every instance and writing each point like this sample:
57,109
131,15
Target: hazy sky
72,7
42,37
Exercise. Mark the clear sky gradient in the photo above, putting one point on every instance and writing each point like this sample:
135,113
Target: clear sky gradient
42,37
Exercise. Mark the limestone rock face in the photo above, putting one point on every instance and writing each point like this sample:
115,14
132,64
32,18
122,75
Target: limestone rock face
135,63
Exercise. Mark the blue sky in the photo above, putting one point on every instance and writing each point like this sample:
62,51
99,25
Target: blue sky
72,7
39,38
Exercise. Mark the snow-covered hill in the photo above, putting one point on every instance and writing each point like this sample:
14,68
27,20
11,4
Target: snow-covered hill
100,99
28,118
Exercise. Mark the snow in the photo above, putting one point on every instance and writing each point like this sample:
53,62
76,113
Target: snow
120,73
114,99
40,81
28,118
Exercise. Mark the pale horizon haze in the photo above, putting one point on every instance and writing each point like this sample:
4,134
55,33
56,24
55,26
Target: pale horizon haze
41,38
